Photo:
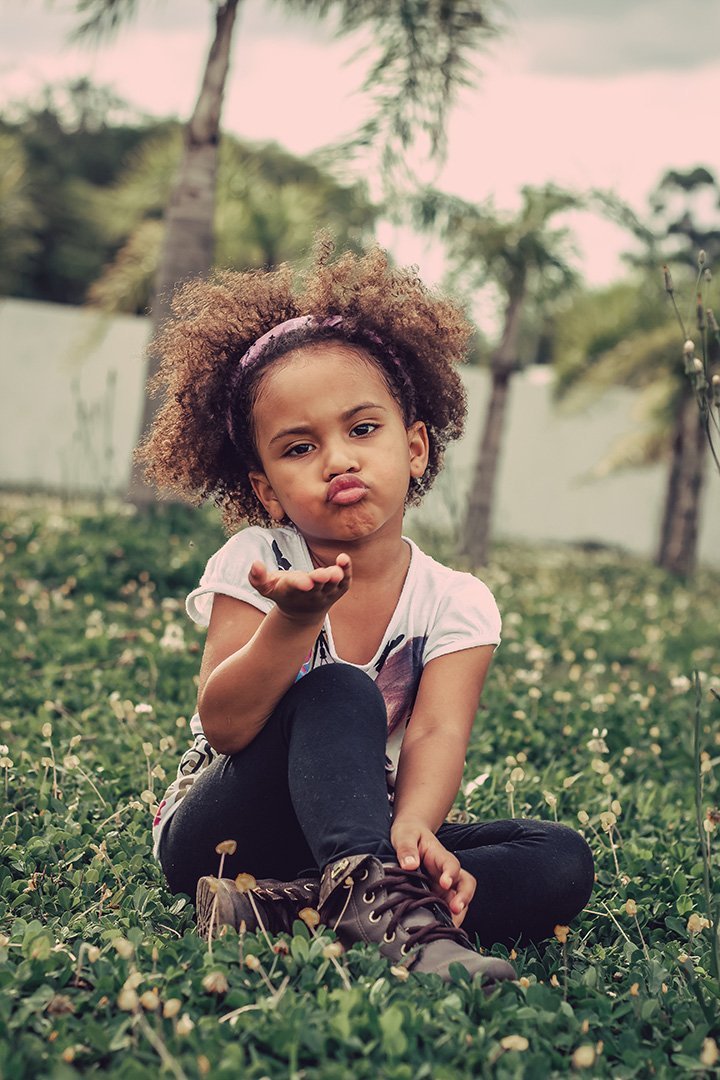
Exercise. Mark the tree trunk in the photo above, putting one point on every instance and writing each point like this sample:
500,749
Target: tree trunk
475,540
188,243
677,551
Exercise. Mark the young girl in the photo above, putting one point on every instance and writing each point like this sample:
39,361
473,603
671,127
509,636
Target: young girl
343,666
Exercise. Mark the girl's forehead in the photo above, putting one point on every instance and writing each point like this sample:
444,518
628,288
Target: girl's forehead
330,366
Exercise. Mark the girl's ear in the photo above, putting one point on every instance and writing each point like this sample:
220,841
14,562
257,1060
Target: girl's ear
264,492
419,447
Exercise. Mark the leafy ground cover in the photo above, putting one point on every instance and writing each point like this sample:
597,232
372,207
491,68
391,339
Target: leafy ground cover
588,718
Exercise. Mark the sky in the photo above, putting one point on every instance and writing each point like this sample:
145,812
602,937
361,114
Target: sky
584,93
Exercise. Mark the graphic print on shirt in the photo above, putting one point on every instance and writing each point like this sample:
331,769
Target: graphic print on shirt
281,562
398,681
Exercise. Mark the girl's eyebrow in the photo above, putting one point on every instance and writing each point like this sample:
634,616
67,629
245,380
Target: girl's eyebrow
305,429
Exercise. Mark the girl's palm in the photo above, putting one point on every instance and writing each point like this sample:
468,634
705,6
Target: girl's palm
297,593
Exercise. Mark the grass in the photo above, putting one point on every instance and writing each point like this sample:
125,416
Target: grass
589,716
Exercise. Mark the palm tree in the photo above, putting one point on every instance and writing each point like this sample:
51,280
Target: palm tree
17,212
627,335
527,259
268,201
624,335
426,56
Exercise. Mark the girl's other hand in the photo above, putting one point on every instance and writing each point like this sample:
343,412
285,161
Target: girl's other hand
415,845
303,595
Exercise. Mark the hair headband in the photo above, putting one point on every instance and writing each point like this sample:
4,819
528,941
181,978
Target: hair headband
251,356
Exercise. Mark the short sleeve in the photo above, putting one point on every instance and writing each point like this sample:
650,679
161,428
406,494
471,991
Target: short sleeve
467,616
227,573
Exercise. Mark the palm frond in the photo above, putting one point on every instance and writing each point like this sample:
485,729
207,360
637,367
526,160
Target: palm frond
428,51
125,284
100,19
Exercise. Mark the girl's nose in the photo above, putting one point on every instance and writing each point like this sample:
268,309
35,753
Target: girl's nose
339,459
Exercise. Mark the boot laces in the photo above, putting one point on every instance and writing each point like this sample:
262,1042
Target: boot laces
285,890
408,890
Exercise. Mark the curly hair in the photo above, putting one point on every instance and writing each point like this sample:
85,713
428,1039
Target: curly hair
189,450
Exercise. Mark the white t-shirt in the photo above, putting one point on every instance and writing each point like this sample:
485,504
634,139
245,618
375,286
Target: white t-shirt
440,611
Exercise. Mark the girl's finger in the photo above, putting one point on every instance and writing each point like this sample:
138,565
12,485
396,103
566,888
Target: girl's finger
408,859
326,575
406,850
258,573
450,871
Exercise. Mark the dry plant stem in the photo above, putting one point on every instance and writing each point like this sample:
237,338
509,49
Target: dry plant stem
261,924
270,985
715,953
92,785
213,919
339,967
213,913
118,813
671,293
159,1046
609,912
597,835
614,851
347,901
642,939
273,1001
54,769
565,970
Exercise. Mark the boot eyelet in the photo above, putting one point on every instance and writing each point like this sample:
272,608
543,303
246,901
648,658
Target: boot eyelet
404,950
376,919
308,888
389,939
364,874
368,897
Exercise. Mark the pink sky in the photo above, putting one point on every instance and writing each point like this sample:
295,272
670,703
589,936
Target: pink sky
607,93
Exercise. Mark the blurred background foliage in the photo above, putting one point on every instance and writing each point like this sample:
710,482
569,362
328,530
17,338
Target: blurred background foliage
83,195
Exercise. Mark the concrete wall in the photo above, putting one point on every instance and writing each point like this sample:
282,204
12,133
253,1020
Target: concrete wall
70,404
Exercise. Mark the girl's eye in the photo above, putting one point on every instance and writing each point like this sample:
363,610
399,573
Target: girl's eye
365,428
298,450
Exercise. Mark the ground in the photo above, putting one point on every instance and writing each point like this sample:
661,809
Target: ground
589,717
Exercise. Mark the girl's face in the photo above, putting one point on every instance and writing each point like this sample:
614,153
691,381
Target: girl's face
336,456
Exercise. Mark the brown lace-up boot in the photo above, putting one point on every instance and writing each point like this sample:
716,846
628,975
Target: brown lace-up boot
365,900
218,902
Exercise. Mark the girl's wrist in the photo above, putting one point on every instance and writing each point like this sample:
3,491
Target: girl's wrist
299,620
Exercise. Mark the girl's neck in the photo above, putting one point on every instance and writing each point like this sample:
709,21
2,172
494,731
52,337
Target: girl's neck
373,560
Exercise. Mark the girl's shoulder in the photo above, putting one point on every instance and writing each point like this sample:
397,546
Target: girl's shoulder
227,569
445,579
279,547
453,600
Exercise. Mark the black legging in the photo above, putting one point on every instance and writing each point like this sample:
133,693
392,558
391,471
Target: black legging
311,788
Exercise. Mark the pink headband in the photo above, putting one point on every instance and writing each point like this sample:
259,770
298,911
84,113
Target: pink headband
300,322
283,328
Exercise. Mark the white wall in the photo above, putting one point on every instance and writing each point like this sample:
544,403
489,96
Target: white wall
71,386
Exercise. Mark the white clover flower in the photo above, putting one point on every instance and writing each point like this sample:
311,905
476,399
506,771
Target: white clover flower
173,639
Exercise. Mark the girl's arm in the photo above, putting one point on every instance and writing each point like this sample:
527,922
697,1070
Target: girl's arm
431,766
251,660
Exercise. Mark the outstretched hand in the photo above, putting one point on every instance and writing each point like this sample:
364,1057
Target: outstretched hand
302,595
416,845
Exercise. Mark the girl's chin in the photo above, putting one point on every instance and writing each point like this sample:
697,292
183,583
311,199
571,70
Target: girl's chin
346,526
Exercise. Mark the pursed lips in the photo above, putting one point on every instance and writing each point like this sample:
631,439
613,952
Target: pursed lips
345,489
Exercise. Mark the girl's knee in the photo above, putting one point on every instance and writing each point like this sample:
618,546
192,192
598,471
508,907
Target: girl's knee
574,868
337,693
343,681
